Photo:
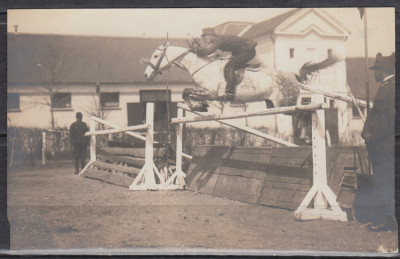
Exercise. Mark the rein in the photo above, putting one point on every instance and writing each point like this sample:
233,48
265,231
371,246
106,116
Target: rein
158,70
200,68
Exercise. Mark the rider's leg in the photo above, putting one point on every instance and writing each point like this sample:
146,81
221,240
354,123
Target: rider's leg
236,62
230,76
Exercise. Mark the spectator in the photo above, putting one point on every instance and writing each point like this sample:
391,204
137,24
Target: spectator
78,141
378,133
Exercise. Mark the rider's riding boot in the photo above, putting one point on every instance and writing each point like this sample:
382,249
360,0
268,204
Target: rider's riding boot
230,84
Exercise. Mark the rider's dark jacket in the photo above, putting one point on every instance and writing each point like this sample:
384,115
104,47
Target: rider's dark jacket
230,43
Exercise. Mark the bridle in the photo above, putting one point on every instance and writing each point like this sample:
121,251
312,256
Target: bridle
157,69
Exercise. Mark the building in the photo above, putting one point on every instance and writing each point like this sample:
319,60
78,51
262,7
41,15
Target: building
103,76
98,76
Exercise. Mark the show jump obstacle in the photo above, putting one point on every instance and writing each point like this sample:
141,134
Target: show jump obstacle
146,178
320,201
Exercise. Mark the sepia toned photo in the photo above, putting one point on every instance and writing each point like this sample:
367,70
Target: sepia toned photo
235,131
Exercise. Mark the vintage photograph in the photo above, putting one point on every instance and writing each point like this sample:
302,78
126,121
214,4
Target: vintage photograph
243,131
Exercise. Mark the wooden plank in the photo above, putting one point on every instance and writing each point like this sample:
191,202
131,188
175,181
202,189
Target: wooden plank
288,179
291,161
117,179
203,182
290,171
272,111
136,152
247,129
301,152
124,169
138,162
238,188
304,187
116,130
344,98
244,165
254,174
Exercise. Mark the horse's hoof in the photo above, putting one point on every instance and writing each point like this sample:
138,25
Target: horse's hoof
202,108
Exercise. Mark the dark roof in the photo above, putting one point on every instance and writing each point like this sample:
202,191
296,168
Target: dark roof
269,25
231,28
85,59
355,73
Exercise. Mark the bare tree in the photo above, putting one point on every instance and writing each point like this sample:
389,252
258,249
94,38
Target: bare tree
49,75
96,108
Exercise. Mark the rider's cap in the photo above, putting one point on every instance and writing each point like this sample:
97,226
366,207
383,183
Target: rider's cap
208,31
384,64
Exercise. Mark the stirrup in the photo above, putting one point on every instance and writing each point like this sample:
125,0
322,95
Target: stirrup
229,96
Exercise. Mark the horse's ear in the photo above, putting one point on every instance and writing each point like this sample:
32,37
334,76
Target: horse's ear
166,44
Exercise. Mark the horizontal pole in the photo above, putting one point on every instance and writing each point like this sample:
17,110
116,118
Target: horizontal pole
341,97
213,117
111,131
132,134
247,129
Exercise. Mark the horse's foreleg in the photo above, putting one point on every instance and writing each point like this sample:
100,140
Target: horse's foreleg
195,99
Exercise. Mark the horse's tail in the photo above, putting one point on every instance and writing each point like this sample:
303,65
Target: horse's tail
309,69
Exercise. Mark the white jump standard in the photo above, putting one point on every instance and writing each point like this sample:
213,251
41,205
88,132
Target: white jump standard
146,179
325,205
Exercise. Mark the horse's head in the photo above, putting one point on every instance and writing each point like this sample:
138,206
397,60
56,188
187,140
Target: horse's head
163,58
156,62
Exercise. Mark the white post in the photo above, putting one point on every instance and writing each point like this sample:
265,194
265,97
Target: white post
318,150
43,147
179,131
149,174
179,175
92,141
320,191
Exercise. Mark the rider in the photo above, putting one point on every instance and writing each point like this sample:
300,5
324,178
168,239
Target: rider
243,50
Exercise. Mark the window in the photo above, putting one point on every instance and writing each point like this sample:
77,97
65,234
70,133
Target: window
291,52
61,100
332,104
355,112
13,101
109,100
305,100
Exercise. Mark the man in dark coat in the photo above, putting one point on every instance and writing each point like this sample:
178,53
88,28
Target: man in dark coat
243,50
379,136
78,141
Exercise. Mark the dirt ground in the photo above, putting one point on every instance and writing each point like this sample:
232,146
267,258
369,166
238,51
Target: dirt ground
51,208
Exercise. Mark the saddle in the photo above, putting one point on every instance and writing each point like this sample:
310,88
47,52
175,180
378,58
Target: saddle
250,67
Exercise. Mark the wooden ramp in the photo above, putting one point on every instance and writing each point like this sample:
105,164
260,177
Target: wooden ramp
273,176
120,166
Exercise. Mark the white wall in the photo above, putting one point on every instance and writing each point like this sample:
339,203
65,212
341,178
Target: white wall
33,113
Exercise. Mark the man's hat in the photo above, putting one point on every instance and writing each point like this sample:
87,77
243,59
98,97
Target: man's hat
79,115
208,31
384,64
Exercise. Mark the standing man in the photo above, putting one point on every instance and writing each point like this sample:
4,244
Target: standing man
243,50
379,136
78,141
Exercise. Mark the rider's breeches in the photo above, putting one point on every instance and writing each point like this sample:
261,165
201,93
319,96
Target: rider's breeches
235,63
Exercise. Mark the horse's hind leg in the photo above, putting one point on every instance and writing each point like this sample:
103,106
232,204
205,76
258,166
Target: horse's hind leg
194,100
269,104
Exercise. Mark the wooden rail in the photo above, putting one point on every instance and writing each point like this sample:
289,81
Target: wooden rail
272,111
341,97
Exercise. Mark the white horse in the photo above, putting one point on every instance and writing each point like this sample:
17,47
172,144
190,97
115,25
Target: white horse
277,88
